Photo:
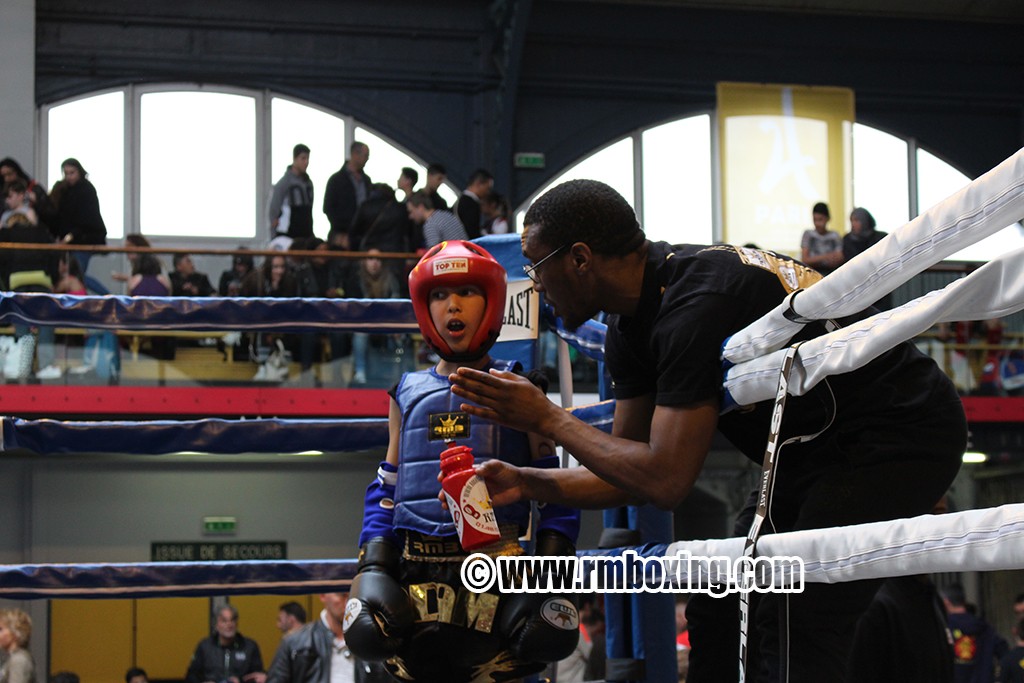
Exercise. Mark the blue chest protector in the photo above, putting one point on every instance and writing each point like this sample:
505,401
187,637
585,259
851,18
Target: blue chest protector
420,395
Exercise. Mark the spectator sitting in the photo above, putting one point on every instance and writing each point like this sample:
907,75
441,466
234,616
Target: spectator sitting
495,210
29,271
272,279
373,282
231,280
311,280
186,281
11,170
16,201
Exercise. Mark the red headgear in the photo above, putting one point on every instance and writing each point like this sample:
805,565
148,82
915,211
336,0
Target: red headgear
454,263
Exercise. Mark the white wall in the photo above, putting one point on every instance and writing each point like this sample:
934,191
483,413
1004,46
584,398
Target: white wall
17,81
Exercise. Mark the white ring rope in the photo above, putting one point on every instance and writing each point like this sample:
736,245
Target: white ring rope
975,540
987,205
994,290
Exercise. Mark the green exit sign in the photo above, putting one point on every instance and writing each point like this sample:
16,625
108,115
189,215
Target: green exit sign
220,525
529,160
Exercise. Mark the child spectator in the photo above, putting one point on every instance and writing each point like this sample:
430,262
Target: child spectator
821,248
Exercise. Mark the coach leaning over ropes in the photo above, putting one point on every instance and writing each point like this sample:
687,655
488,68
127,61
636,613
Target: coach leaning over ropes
887,438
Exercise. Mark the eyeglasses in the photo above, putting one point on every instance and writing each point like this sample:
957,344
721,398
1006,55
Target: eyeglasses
531,270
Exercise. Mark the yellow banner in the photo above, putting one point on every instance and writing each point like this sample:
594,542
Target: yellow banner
782,149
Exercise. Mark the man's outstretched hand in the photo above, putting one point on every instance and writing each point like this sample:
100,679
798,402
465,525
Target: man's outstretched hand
503,397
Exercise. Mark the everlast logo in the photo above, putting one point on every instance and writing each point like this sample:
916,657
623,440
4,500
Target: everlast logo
451,265
448,426
517,312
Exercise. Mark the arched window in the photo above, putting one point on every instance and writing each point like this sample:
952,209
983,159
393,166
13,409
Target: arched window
198,161
666,172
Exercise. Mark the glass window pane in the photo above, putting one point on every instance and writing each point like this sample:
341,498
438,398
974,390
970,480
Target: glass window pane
92,131
937,180
386,160
324,134
612,165
187,136
879,179
677,181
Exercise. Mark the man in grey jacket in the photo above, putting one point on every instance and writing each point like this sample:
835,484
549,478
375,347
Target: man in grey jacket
291,202
311,653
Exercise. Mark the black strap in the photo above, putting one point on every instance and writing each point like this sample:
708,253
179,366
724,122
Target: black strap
764,495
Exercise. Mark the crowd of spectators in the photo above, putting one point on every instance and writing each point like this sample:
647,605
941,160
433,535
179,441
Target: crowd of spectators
364,216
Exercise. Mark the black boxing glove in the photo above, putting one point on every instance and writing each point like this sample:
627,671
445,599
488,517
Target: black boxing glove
378,616
542,627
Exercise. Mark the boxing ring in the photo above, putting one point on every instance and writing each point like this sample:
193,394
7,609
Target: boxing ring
974,540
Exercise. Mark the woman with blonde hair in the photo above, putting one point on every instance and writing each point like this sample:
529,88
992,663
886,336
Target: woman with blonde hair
15,632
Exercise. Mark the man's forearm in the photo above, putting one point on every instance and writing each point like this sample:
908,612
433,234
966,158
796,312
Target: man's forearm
574,486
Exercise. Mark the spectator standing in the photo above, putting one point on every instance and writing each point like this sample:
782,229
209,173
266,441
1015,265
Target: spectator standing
903,636
821,248
294,192
436,175
290,617
317,653
136,675
78,217
226,656
976,647
863,236
381,222
407,180
1011,666
467,207
495,211
15,634
439,225
346,190
186,281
